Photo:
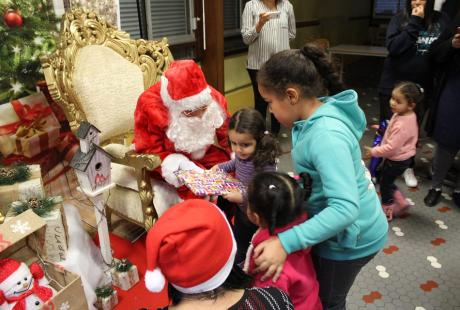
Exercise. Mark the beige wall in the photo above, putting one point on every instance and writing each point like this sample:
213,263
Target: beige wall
334,25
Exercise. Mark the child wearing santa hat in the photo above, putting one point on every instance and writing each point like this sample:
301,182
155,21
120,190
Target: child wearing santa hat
193,249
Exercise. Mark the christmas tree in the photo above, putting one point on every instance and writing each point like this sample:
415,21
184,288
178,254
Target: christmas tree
28,30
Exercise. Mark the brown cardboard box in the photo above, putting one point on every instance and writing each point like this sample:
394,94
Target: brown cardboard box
52,240
17,235
32,188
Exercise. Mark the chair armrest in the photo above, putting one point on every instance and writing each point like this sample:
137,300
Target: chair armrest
139,160
127,156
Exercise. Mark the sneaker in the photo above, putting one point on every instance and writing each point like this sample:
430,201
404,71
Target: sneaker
433,197
456,198
401,203
410,178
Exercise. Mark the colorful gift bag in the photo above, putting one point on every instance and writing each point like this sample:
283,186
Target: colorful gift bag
209,182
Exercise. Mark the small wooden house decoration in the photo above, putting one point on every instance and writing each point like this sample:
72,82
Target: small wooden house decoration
88,134
91,162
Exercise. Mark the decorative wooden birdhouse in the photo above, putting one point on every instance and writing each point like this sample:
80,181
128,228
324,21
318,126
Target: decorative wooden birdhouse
92,168
88,134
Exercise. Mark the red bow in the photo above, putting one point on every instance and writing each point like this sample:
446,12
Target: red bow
27,115
42,292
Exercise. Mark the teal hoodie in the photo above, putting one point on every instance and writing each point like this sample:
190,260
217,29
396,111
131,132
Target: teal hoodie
346,219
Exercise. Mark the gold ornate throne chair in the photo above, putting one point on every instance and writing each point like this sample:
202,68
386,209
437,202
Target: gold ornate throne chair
97,74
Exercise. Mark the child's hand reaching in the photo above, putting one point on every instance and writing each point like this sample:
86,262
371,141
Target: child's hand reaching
235,197
367,154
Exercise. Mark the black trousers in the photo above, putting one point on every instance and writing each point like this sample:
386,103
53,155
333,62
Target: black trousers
336,278
243,230
390,171
260,104
443,159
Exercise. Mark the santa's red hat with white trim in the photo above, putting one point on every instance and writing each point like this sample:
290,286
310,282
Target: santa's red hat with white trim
191,246
184,87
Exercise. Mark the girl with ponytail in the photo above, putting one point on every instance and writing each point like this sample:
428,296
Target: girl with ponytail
275,204
255,150
347,226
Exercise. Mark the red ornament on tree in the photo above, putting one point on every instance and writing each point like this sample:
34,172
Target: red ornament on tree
12,19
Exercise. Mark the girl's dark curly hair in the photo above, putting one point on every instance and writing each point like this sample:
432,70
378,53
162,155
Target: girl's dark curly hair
250,121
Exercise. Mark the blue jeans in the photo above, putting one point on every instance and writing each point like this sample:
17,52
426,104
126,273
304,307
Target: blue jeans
336,278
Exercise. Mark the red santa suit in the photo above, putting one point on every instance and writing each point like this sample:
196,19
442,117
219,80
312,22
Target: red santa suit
183,143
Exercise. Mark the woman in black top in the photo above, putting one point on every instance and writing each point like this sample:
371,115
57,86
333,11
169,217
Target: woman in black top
409,37
443,122
192,248
235,288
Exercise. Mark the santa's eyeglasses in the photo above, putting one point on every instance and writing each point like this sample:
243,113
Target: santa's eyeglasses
196,112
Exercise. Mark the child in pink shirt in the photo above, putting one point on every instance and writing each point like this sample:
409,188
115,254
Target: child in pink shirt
275,204
398,146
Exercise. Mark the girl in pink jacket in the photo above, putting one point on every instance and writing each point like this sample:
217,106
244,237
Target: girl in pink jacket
398,146
275,204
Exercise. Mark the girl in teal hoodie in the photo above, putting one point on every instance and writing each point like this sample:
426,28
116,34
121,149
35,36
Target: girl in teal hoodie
347,225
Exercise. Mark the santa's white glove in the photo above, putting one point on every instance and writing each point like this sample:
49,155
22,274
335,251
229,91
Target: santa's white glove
176,162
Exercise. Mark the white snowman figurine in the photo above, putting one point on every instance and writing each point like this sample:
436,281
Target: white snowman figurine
23,287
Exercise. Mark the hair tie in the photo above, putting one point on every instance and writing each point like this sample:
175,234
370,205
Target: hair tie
271,186
420,88
266,132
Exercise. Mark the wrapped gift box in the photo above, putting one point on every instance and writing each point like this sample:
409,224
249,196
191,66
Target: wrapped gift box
28,126
105,302
32,188
125,279
16,236
47,160
51,241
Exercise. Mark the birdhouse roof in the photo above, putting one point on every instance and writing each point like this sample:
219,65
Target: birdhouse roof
80,160
84,129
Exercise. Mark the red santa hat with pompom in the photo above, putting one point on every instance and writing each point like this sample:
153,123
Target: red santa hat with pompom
10,269
184,87
191,246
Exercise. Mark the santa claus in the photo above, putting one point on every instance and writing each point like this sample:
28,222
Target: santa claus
184,121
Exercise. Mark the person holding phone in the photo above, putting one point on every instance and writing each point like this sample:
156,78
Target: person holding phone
409,36
267,26
443,124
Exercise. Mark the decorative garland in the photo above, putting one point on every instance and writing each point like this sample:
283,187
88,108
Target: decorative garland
40,206
123,265
104,291
14,174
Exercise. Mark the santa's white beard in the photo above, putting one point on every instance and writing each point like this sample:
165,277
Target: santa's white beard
193,135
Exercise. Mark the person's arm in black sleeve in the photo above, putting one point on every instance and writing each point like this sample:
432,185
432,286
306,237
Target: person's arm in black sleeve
402,38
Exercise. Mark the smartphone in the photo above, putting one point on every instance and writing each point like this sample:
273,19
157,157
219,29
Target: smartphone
273,15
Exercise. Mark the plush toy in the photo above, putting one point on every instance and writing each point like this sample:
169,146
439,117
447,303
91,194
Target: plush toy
22,287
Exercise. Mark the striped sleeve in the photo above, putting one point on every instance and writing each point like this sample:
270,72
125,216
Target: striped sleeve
291,21
228,166
248,26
